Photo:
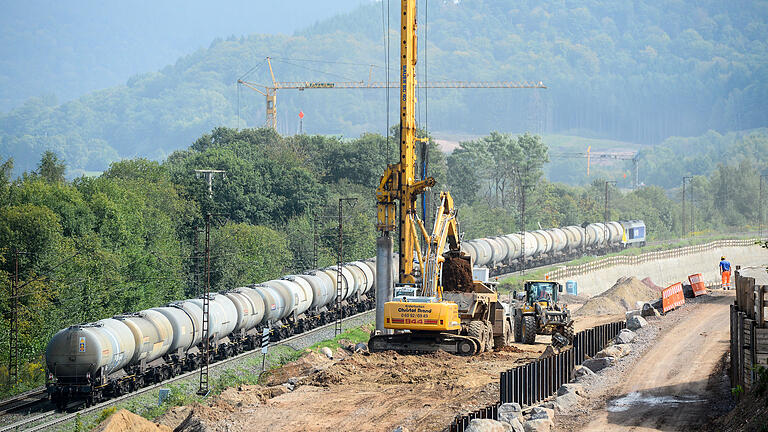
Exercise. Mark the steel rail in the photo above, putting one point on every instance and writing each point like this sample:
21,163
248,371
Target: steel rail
16,426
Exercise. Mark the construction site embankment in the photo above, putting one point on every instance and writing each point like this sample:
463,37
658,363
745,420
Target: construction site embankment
663,268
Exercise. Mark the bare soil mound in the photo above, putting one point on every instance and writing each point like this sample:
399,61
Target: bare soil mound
125,421
362,392
618,299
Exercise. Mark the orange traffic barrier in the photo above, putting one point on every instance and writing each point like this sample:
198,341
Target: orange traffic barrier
672,297
697,283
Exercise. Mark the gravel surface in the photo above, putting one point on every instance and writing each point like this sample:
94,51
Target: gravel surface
603,388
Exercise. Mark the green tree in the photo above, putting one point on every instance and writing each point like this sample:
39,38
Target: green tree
244,254
51,168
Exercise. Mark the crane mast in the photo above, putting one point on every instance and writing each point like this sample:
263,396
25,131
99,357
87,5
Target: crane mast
399,180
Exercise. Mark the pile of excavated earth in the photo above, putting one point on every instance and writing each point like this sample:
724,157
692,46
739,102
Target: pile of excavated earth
621,297
361,391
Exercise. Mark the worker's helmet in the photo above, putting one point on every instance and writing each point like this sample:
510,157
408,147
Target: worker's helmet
722,258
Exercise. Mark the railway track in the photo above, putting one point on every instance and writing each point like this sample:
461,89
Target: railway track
22,401
42,419
38,422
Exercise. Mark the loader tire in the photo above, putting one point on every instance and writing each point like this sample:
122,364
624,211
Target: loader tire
569,333
489,336
529,329
518,329
477,330
503,339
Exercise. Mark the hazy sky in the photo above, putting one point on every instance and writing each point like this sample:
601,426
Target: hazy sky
68,48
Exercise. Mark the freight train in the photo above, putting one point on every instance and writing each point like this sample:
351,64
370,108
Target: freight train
114,356
512,252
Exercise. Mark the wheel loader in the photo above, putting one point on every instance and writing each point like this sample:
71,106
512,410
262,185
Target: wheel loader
540,313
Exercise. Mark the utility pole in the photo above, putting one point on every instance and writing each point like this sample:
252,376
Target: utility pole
315,239
636,169
522,228
685,232
206,348
340,263
203,389
607,216
760,204
13,352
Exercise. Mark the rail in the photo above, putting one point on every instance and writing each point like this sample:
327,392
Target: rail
535,381
580,269
26,424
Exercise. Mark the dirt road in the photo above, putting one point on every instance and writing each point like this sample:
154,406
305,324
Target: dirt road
669,388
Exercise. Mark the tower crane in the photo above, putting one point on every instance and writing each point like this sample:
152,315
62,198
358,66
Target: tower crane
270,91
591,156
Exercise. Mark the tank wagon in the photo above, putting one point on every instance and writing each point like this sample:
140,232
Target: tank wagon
510,252
108,358
114,356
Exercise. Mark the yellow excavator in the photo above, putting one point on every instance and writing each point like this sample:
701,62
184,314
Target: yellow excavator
435,303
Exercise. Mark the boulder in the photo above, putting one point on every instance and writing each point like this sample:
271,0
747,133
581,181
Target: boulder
538,425
510,411
598,364
567,401
400,429
580,372
616,351
327,352
539,412
570,388
633,313
650,311
361,347
624,337
488,425
192,424
637,322
517,425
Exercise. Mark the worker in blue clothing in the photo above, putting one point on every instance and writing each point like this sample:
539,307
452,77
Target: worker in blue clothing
725,273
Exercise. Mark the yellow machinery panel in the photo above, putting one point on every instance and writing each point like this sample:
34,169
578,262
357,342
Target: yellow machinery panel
441,316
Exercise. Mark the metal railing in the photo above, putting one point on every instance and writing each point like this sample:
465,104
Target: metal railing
535,381
570,271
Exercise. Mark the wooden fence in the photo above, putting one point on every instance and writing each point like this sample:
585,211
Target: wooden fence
749,332
570,271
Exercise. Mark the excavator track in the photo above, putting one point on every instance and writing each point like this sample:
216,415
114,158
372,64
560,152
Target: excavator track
425,342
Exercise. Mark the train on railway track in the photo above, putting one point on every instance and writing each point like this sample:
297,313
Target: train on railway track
114,356
513,252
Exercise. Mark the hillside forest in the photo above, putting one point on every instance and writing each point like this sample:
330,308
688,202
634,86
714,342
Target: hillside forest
126,240
637,72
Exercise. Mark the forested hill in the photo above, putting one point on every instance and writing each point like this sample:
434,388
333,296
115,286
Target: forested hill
636,71
66,49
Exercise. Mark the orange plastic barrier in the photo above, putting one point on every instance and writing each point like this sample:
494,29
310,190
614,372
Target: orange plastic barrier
697,283
672,297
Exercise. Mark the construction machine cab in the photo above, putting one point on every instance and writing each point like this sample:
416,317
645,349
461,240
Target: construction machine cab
544,292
